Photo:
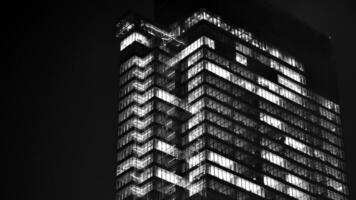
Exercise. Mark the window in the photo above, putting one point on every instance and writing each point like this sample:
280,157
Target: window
140,62
241,59
134,37
134,162
170,177
273,158
190,48
236,180
166,148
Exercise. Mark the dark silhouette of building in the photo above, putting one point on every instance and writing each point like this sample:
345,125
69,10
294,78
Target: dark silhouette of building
209,110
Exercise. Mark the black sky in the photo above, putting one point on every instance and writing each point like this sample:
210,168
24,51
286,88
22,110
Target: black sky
61,89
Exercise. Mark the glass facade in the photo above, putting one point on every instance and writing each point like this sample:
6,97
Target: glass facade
198,122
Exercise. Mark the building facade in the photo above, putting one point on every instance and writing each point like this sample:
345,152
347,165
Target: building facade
207,110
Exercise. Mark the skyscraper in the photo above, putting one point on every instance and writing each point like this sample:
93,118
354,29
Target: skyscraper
208,110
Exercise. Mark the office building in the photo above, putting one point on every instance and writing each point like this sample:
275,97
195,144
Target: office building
209,110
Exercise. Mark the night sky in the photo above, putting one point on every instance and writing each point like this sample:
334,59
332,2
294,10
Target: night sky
61,91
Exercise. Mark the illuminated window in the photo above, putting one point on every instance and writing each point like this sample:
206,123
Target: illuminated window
190,48
242,34
297,181
195,69
287,72
194,82
196,187
140,62
236,180
218,70
293,192
134,37
195,133
197,173
195,160
273,158
243,49
197,106
298,145
167,97
134,162
198,118
194,58
241,59
170,177
166,148
143,190
195,94
271,120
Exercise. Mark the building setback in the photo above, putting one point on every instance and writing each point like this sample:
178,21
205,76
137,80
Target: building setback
207,110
